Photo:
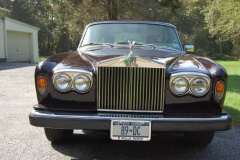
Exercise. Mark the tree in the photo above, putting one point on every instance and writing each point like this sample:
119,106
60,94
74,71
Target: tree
76,14
19,8
223,22
62,21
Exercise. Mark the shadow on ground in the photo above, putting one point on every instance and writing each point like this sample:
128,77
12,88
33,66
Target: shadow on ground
8,66
234,114
97,145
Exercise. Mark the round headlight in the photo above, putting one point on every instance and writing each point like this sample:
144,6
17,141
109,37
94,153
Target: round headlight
179,86
63,82
199,86
82,83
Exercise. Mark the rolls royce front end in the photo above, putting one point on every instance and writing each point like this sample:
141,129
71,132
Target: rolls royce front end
130,78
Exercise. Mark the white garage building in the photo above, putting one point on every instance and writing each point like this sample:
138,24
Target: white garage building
18,40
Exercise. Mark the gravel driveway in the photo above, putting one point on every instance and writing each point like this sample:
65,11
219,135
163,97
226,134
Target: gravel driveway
20,140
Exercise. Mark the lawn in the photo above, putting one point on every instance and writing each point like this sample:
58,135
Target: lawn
42,58
232,100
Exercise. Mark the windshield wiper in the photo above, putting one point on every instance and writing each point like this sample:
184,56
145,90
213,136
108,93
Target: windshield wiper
97,44
142,44
122,42
153,46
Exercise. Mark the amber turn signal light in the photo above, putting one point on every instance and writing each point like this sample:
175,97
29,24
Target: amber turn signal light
42,82
219,89
42,85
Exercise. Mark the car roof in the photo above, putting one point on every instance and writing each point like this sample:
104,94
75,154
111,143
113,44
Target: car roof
131,21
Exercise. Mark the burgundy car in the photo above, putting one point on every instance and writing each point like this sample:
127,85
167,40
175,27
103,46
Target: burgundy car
131,78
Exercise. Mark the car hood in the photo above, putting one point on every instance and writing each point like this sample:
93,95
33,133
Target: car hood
160,55
89,58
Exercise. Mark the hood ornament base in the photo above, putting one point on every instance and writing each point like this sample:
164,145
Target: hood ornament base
131,44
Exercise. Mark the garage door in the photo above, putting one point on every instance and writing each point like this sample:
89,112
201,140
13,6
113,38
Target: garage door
18,45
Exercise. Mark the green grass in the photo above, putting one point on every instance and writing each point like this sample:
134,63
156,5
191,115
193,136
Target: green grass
232,99
42,58
2,60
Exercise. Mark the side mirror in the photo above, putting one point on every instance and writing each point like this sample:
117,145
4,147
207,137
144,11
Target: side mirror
189,48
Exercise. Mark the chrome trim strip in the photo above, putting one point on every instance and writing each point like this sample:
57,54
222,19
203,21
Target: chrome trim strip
120,89
49,114
105,88
164,86
72,70
98,96
162,76
142,46
115,110
109,115
141,88
179,40
159,89
155,90
190,73
72,73
189,76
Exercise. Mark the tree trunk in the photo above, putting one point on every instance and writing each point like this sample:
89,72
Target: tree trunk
109,10
215,46
221,48
68,49
52,39
112,10
48,45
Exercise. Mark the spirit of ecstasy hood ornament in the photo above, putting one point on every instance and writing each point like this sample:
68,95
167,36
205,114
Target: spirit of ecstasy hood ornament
130,60
131,54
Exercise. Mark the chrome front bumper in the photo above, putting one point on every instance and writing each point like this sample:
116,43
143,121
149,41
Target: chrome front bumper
101,121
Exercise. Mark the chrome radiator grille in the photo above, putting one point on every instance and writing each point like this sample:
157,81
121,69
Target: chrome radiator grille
130,89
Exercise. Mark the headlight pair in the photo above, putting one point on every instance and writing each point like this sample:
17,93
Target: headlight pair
65,81
196,84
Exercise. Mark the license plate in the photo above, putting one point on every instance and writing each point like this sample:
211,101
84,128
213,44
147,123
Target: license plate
130,130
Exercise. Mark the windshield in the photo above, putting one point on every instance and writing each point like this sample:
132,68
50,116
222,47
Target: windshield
160,36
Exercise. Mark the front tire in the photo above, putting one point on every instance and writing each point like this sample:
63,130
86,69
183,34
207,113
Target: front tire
58,135
200,139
